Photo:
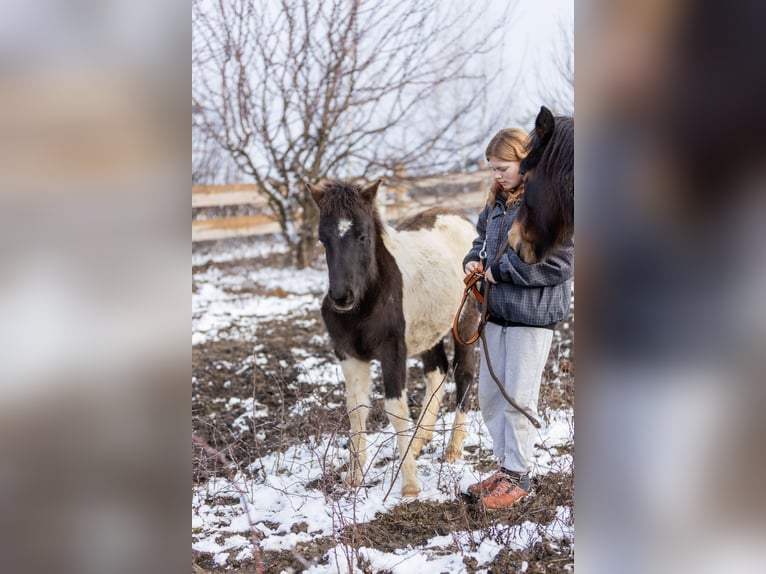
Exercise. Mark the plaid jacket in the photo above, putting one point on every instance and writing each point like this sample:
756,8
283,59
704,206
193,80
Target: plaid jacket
536,295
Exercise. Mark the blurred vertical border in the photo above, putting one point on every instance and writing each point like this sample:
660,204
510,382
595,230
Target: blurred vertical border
94,283
670,280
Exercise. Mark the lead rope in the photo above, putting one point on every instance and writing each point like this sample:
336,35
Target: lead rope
471,287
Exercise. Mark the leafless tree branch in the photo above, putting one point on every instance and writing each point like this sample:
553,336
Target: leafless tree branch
558,93
298,91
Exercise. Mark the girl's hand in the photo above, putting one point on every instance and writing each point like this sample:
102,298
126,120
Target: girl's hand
488,276
472,266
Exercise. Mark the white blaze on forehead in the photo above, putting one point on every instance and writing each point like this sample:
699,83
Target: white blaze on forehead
343,226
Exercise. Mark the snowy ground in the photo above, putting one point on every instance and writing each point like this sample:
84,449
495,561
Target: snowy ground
290,495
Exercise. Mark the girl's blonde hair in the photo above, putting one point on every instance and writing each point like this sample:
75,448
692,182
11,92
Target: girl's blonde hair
508,144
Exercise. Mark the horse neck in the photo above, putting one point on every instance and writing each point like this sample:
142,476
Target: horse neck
385,248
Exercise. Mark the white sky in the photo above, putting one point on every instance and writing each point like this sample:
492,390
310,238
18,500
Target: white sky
534,33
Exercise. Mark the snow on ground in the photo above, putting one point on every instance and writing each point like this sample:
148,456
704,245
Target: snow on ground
280,495
235,252
223,306
431,557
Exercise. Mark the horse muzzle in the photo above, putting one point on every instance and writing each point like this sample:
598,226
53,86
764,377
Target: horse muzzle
342,302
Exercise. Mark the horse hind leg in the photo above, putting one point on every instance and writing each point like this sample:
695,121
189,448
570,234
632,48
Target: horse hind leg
435,365
357,375
465,372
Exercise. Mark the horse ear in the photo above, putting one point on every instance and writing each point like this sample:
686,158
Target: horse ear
369,192
544,123
316,192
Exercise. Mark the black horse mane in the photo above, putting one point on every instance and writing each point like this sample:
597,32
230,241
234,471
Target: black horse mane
343,199
559,152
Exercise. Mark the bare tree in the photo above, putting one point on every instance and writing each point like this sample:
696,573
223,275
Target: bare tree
300,90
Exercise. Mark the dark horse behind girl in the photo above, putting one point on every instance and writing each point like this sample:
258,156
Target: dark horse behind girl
393,293
546,215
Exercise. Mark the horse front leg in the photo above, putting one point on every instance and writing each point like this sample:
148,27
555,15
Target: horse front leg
435,365
393,363
357,375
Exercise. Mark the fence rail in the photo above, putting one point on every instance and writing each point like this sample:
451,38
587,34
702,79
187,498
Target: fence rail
402,197
233,194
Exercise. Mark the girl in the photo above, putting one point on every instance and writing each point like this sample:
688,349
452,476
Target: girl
525,303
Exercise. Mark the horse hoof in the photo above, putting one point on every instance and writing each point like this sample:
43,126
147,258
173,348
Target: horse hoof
410,491
452,455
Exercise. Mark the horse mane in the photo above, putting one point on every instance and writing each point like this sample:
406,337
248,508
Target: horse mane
557,161
343,199
559,152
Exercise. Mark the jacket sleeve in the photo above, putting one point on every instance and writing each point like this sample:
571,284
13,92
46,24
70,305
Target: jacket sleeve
481,229
555,269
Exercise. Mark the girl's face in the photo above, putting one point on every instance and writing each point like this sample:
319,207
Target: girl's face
506,173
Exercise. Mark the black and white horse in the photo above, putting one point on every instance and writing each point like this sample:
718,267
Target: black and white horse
546,215
393,293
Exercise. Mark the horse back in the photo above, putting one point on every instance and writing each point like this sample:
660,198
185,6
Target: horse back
429,249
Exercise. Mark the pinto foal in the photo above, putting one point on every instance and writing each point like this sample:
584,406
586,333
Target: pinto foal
393,293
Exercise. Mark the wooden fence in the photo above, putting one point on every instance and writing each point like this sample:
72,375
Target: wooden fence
401,197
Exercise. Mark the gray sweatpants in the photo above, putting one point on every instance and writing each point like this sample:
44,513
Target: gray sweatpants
518,356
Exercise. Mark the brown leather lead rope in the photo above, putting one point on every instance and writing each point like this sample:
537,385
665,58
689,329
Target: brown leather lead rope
470,287
470,282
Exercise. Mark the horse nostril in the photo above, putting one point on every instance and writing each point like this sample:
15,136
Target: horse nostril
342,300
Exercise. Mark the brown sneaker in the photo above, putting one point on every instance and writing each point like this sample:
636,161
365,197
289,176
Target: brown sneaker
504,494
485,486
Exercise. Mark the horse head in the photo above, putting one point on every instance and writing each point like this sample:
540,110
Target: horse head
546,216
349,227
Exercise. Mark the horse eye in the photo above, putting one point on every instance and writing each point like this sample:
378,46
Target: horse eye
363,237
